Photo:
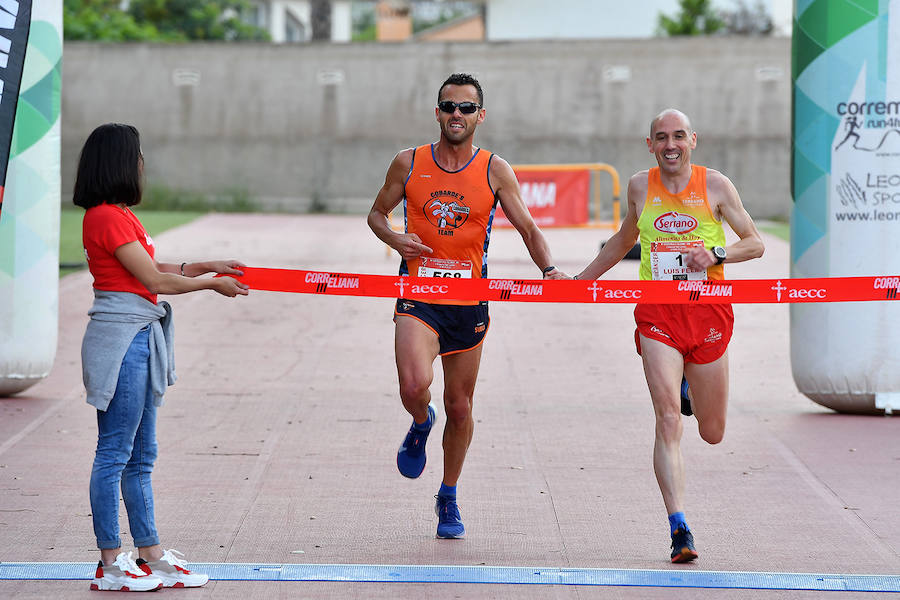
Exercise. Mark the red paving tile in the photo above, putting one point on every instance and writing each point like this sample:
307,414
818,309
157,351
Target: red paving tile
278,441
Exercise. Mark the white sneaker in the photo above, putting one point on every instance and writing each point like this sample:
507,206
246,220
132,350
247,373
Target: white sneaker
172,571
124,576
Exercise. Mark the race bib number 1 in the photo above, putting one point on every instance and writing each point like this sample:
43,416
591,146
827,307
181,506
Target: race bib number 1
445,267
667,261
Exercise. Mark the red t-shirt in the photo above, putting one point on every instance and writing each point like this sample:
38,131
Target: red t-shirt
104,229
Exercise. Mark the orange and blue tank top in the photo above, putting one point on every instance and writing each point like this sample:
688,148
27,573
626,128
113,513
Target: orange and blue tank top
452,213
671,224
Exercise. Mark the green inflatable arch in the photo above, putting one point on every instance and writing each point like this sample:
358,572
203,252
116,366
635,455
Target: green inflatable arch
846,188
29,221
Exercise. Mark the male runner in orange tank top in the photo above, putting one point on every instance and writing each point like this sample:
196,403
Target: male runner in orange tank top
678,217
449,191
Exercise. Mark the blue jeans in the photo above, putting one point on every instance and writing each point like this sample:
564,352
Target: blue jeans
126,451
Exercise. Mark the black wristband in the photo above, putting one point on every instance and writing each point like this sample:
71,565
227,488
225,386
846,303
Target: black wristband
182,269
719,254
548,269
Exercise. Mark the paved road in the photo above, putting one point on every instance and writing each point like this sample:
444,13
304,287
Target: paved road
278,441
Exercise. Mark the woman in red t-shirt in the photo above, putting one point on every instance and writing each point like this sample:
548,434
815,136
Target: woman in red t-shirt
127,357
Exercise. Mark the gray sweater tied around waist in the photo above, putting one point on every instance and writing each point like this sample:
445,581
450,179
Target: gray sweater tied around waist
116,317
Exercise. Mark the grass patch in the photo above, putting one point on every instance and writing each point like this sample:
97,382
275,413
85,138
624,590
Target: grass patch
158,197
776,228
71,252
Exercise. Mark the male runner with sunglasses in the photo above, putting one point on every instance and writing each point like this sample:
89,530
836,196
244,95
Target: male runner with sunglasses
449,191
677,209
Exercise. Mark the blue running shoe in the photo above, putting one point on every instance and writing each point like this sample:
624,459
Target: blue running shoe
411,456
450,526
686,409
683,546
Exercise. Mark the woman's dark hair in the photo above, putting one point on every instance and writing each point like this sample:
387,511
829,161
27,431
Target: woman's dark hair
108,171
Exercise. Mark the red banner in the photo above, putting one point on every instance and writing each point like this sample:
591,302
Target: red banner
737,291
554,198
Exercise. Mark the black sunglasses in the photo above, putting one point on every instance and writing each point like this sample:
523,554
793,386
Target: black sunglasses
466,108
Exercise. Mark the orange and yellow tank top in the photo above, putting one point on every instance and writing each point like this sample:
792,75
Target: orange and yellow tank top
451,212
671,224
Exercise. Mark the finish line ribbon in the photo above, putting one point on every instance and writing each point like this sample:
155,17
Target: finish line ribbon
743,291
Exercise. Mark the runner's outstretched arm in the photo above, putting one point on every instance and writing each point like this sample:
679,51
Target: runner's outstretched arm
624,239
506,186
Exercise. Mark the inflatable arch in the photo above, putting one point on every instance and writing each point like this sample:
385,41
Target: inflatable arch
29,216
846,189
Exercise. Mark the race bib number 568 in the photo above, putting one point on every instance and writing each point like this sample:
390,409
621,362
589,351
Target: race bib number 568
445,267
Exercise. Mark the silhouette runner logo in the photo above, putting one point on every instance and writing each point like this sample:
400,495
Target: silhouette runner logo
890,127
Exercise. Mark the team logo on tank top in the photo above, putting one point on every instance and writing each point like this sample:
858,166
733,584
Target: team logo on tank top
674,222
694,199
446,211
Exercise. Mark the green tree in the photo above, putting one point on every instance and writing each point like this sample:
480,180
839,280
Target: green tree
748,20
695,17
363,17
193,20
103,20
158,20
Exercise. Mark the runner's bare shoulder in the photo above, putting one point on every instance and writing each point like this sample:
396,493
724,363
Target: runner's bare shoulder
638,181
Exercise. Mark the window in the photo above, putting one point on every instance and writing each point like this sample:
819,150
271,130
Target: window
294,30
256,15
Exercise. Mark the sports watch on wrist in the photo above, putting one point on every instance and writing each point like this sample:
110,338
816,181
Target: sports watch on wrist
720,254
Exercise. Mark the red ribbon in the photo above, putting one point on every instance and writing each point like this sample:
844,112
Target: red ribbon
744,291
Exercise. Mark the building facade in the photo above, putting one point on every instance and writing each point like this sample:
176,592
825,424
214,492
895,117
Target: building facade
291,20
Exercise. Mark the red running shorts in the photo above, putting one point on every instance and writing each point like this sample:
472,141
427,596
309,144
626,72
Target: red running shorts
701,332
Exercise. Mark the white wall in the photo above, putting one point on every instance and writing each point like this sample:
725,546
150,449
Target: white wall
341,21
286,123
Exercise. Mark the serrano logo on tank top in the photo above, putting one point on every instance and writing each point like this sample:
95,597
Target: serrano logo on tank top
446,211
673,222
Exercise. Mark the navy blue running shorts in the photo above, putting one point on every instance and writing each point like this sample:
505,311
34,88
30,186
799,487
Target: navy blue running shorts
459,328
